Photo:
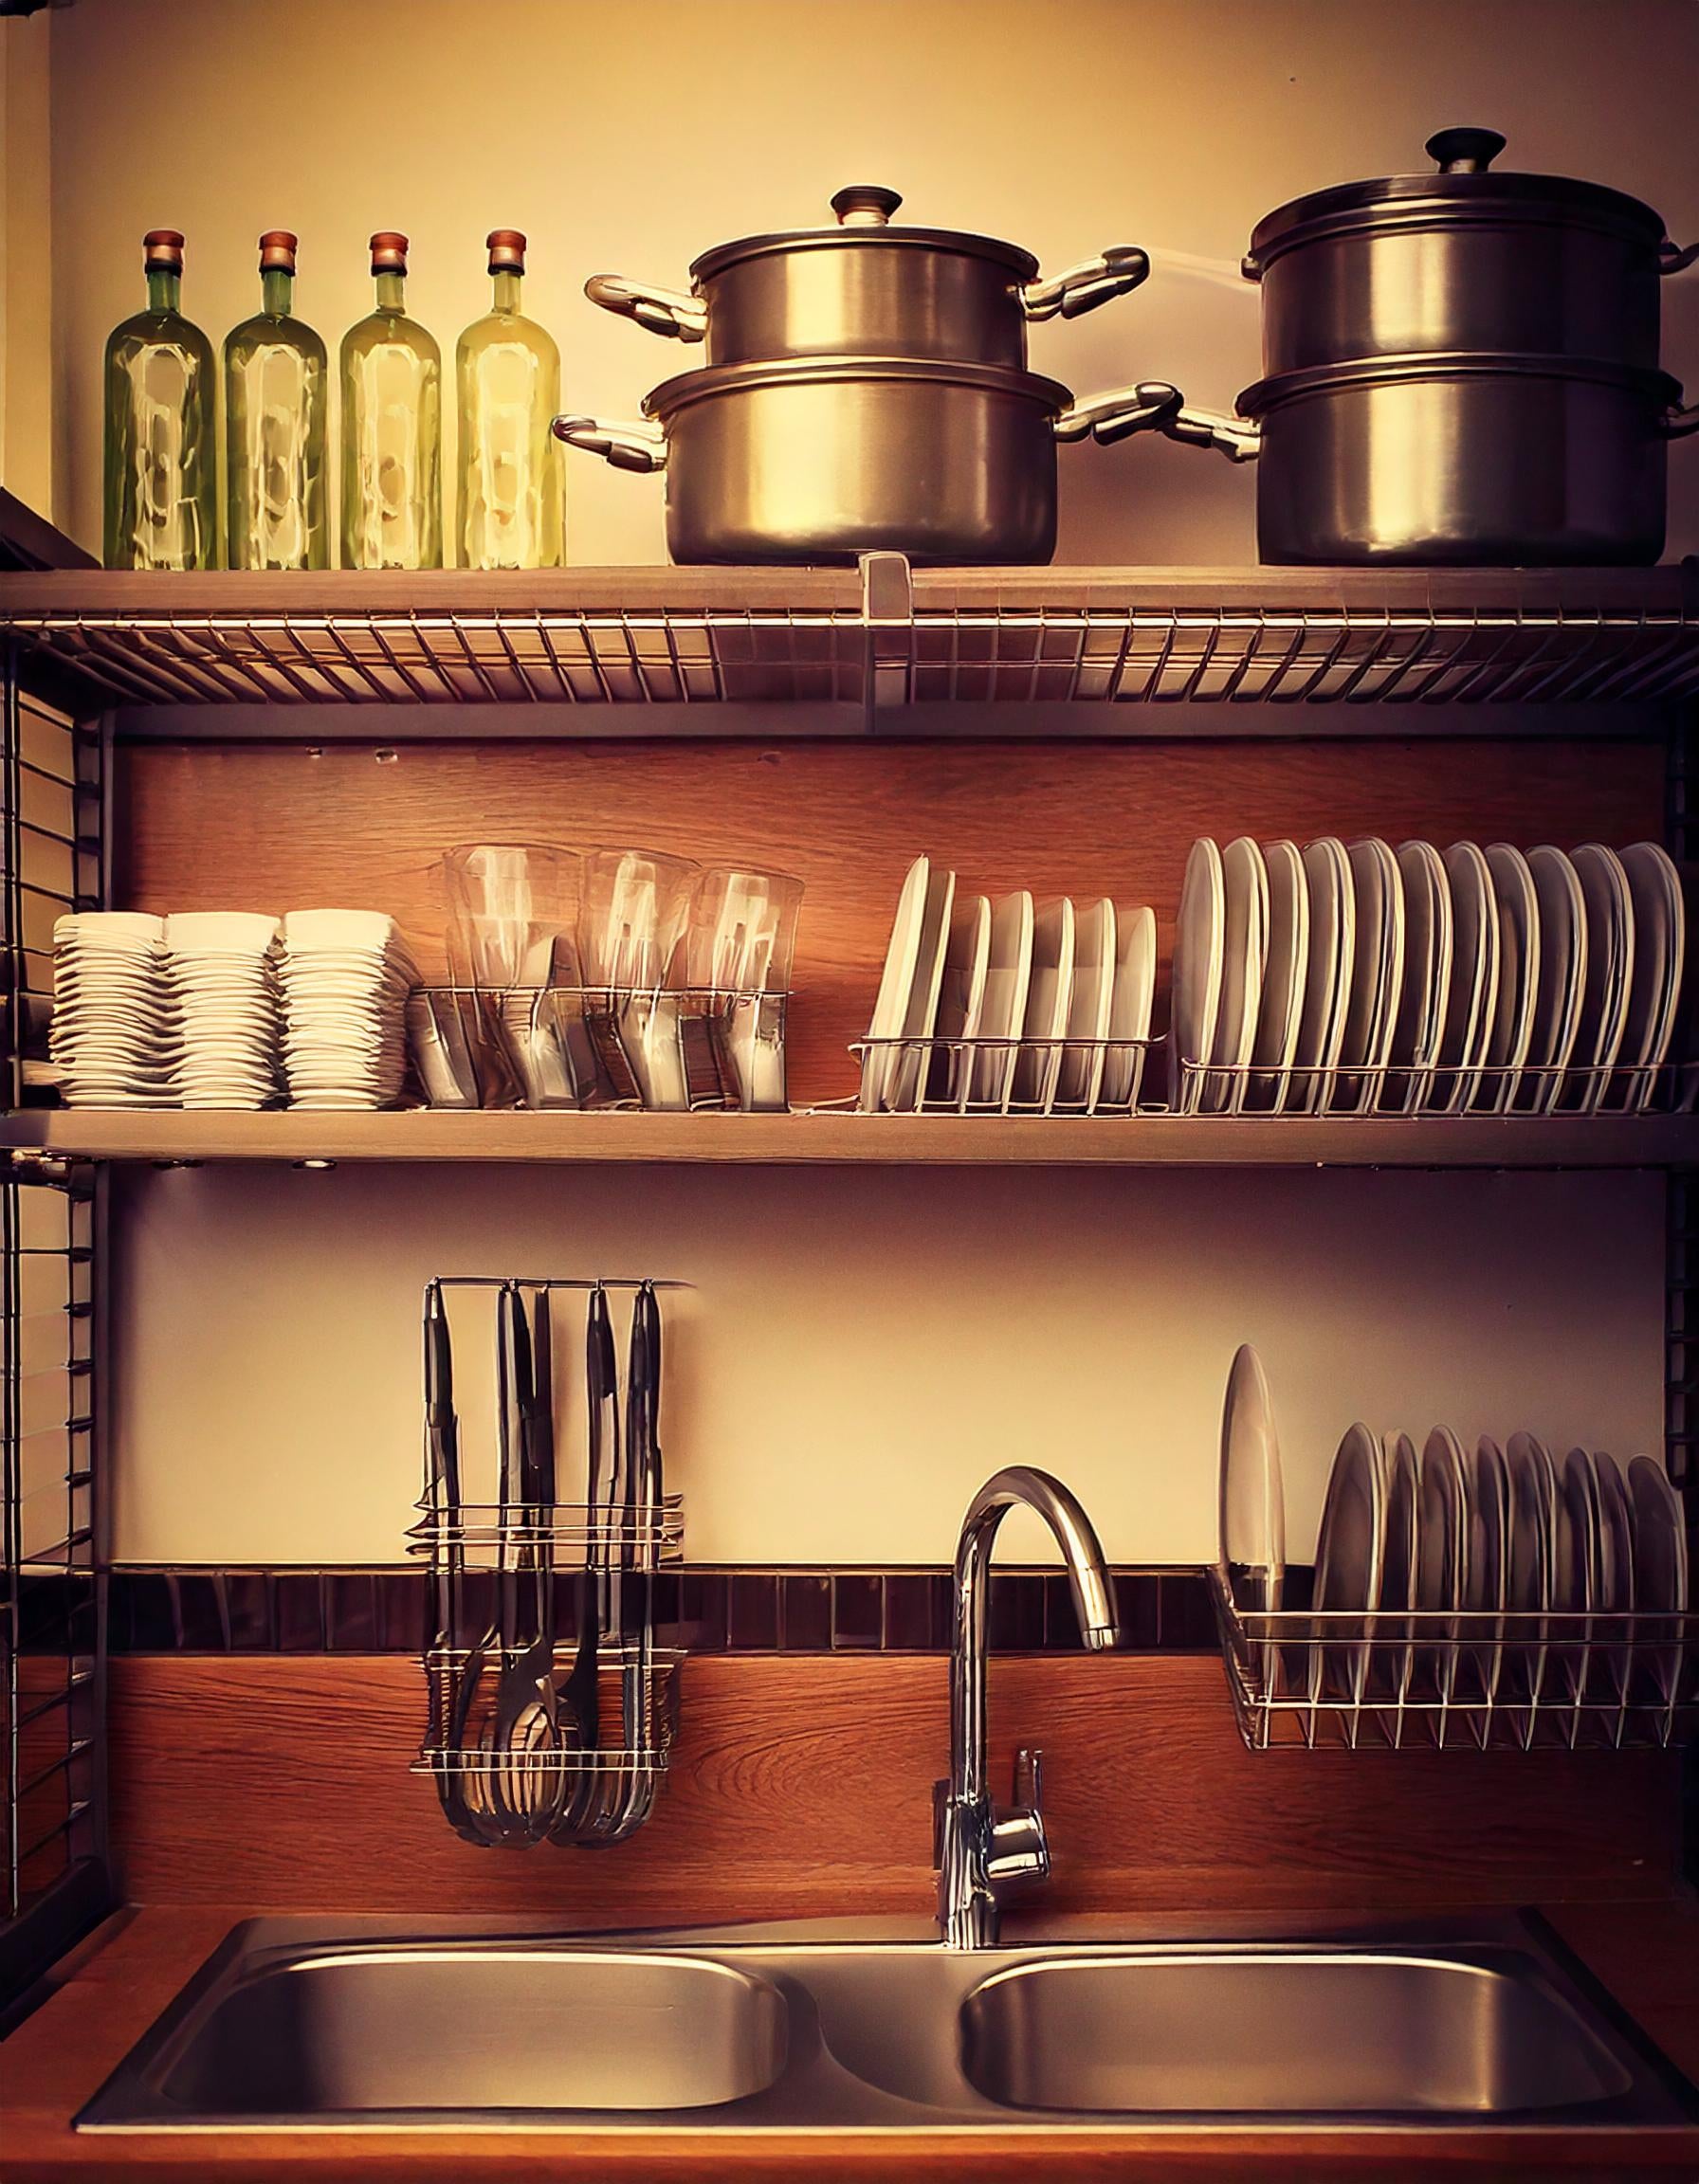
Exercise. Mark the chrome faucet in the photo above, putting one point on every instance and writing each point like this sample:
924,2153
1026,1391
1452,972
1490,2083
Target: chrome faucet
983,1854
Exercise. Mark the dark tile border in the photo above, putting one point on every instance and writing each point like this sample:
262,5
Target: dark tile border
714,1608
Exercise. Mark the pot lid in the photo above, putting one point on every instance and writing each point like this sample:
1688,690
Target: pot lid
673,395
1464,182
864,212
1656,387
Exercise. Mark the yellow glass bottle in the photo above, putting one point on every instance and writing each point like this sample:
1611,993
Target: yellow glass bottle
161,489
274,408
392,429
507,371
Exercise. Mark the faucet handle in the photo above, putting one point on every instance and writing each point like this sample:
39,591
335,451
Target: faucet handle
1017,1855
1029,1778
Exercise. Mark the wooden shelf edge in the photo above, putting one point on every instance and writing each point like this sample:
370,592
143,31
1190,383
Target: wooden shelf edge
808,1139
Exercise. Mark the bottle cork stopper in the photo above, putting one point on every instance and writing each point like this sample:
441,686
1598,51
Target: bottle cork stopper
163,248
506,247
389,252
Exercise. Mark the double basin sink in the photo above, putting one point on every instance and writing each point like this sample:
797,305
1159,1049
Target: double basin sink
371,2025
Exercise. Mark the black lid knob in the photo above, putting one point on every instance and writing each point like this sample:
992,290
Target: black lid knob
1464,151
865,205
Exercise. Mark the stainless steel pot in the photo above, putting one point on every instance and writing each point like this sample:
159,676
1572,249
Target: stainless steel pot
822,458
1464,259
1462,459
865,288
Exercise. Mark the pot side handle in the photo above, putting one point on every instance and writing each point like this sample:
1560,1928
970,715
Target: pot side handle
1672,260
640,448
1082,287
657,310
1678,423
1237,438
1107,418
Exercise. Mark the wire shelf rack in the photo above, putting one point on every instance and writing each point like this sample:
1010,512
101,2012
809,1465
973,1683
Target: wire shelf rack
1510,1681
1121,1077
884,640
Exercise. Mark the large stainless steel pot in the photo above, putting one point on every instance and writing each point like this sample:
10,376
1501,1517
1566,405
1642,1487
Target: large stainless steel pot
865,288
822,458
1465,259
1461,459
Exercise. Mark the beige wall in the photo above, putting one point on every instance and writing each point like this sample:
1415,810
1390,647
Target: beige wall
629,138
860,1348
27,416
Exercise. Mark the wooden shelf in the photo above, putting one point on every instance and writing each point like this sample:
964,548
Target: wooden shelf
807,1139
567,651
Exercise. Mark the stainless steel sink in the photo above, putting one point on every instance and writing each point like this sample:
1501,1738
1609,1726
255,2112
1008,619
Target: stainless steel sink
1282,2033
300,2027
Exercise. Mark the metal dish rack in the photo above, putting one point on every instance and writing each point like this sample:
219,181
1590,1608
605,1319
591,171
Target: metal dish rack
944,1076
675,1049
1507,1681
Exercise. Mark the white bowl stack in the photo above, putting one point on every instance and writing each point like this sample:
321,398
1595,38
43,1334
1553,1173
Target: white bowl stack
114,1039
345,976
220,967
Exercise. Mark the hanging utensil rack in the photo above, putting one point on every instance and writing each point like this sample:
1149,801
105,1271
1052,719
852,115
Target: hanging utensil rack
515,1777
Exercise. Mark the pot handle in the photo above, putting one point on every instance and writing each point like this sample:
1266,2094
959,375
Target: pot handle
659,310
640,448
1671,259
1238,437
1678,423
1107,418
1117,272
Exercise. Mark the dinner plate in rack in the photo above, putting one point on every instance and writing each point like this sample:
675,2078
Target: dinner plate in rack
1584,1554
1130,1005
1516,988
890,1006
1661,1576
1009,967
1377,973
1654,972
1442,1555
1530,1575
1327,972
1350,1547
1562,923
1427,975
1245,941
961,996
1082,1069
1488,1488
1606,989
908,1079
1393,1659
1199,940
1474,978
1050,993
1251,1502
1615,1654
1286,965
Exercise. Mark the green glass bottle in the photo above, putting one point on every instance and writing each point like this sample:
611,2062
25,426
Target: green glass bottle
392,429
161,490
274,407
508,374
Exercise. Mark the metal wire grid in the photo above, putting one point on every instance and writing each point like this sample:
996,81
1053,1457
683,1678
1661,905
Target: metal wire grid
882,660
667,656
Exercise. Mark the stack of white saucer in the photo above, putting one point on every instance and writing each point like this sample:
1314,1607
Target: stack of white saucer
345,976
114,1037
219,969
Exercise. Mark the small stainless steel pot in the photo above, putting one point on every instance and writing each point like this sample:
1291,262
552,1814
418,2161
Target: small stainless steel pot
1464,259
1462,459
865,288
823,459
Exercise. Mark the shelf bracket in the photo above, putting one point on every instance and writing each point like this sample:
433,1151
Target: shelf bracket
887,625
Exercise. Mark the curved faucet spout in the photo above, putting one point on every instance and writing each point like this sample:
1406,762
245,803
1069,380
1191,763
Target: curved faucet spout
970,1850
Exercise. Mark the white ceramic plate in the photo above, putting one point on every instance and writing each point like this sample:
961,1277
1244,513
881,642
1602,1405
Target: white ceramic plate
1442,1551
1004,1010
1245,942
1487,1493
1376,978
1518,983
1200,937
1655,973
1082,1070
1580,1560
1533,1549
1130,1005
1050,995
908,1079
890,1007
1350,1547
1285,968
1393,1665
1660,1572
1616,1573
1563,918
1252,1503
1474,978
1425,987
962,995
1609,952
1327,972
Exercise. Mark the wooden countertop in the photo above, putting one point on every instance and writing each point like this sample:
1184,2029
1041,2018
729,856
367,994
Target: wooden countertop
1647,1953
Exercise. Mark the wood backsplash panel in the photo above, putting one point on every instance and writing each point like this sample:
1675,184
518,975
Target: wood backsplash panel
275,826
803,1788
